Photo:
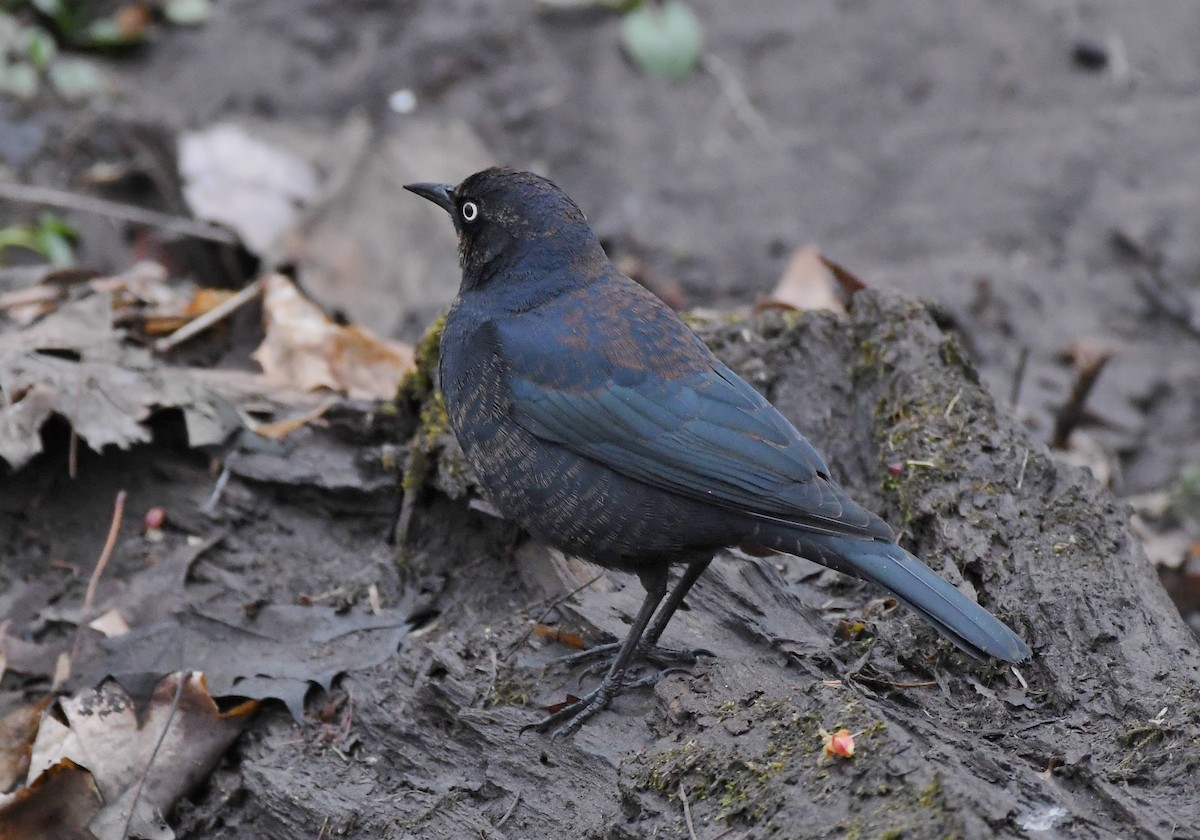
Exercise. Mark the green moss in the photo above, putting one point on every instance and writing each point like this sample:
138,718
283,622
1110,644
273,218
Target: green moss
905,812
930,793
509,688
749,786
418,389
951,353
417,385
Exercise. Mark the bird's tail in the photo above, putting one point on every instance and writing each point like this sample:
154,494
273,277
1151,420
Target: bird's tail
961,620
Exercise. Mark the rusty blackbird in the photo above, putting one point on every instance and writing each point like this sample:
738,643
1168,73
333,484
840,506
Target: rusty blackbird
600,423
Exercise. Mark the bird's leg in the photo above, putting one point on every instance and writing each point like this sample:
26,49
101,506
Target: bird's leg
573,716
690,575
648,645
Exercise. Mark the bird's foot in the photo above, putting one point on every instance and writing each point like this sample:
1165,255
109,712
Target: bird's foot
649,653
570,717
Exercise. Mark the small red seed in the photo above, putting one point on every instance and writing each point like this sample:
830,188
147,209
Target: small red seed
155,517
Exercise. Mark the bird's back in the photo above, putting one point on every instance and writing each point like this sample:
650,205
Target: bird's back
577,503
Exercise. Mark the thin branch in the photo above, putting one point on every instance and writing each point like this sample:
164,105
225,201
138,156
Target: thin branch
687,812
546,612
509,812
1018,378
64,200
1021,474
162,736
212,316
109,544
735,92
1073,411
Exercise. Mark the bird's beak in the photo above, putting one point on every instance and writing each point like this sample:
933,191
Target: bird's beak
440,194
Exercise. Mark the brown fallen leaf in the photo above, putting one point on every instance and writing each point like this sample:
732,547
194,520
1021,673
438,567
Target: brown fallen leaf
304,349
556,634
812,281
57,806
17,731
280,429
100,730
103,387
555,708
165,319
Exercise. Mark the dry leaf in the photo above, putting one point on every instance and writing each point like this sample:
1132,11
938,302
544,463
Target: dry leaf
106,391
167,319
110,624
57,806
232,178
304,349
101,731
555,708
280,429
555,634
17,731
807,283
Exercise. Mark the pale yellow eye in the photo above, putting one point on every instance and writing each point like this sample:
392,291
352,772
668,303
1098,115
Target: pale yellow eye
470,211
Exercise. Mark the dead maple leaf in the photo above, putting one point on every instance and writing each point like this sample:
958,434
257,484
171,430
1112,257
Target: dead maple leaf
101,731
74,363
304,349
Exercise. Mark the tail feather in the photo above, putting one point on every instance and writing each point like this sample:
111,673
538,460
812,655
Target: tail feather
961,620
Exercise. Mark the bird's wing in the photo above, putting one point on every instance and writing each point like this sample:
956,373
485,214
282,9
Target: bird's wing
708,435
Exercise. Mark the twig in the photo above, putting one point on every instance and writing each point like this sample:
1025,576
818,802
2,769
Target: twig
212,316
1072,413
113,209
137,793
500,823
210,506
1166,300
732,87
687,812
546,612
109,544
73,455
953,402
1018,380
1021,474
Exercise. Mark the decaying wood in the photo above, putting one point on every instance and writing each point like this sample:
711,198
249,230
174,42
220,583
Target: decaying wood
1098,737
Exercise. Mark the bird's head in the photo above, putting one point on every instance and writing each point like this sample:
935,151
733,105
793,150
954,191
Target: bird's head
505,216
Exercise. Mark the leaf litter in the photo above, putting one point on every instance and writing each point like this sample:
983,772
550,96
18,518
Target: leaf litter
138,763
73,363
120,751
76,363
96,755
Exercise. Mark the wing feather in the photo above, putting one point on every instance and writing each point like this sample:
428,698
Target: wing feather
708,436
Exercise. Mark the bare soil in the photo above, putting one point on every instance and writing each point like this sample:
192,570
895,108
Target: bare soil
958,153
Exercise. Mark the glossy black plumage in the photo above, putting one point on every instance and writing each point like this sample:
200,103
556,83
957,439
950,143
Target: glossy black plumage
597,420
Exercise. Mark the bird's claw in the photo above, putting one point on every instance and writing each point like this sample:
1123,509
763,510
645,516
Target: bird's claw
650,653
575,714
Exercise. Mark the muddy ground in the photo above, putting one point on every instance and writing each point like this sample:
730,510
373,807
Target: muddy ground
964,154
